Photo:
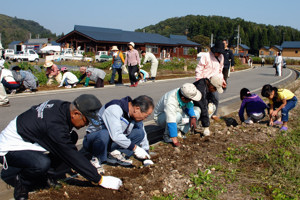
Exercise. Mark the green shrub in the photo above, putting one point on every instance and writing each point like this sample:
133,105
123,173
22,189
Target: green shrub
237,61
42,78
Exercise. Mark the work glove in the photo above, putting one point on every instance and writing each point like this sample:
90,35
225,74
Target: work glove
148,162
193,122
141,153
141,66
111,182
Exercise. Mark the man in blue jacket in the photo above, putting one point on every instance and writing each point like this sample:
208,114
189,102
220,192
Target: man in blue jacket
43,134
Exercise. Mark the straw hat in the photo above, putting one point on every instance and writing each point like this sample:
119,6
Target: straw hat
114,48
48,64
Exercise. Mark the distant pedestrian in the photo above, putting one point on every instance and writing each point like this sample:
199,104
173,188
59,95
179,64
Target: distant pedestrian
254,105
52,72
117,62
278,63
132,60
94,74
4,101
69,79
211,64
262,61
150,57
228,60
280,100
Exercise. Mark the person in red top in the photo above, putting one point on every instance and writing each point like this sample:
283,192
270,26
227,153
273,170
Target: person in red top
52,72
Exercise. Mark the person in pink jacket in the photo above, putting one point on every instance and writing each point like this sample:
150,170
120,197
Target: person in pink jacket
52,72
211,64
132,60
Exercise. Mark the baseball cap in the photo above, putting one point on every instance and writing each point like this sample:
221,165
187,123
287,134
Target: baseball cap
190,91
217,81
89,106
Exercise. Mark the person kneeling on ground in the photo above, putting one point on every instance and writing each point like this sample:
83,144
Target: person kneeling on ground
69,79
121,133
207,87
175,110
280,100
94,74
52,72
47,127
29,81
254,105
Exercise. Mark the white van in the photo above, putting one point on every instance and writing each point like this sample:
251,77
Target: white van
8,53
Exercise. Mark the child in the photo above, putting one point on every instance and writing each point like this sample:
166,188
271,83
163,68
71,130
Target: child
280,99
143,76
69,79
255,107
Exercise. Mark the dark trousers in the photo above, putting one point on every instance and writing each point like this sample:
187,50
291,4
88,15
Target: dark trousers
31,166
9,85
99,83
132,70
114,70
225,73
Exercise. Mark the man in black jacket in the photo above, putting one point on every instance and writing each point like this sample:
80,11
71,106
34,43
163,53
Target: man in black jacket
228,60
47,127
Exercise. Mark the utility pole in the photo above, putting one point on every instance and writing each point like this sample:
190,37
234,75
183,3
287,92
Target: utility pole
211,40
238,39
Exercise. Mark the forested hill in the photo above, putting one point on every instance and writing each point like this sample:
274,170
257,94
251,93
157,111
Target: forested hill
199,29
14,29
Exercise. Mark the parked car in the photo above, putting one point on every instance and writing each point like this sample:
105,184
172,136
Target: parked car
8,53
68,54
27,55
102,56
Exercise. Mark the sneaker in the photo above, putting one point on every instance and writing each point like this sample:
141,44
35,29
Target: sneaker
115,157
13,92
68,86
95,162
248,121
20,192
28,90
284,128
206,132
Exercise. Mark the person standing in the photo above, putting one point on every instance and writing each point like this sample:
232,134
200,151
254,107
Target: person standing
117,62
150,57
132,60
278,63
228,60
4,101
52,72
47,127
211,64
94,74
262,61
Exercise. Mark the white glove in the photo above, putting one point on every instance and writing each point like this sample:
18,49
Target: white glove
141,153
110,68
111,182
60,86
141,66
148,162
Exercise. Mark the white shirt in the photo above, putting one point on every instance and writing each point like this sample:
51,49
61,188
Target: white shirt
71,78
150,57
10,140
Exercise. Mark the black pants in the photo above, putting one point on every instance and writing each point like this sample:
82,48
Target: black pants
225,73
99,83
132,70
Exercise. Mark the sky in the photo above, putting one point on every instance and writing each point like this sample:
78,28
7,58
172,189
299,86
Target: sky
60,16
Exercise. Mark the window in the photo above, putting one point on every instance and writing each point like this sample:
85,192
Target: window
152,49
271,53
262,53
186,50
296,51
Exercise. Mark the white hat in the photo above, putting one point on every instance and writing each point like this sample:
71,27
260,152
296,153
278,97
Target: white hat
48,64
217,81
190,91
131,43
114,48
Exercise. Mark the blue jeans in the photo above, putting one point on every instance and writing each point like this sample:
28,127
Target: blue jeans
290,104
31,166
99,143
114,70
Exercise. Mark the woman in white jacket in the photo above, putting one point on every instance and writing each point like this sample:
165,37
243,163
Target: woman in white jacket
69,79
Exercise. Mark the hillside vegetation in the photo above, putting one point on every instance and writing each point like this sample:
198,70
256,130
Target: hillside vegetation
14,29
199,29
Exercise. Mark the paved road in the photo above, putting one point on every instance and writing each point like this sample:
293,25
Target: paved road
253,79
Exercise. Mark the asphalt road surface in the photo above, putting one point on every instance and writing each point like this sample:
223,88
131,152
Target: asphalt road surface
253,79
